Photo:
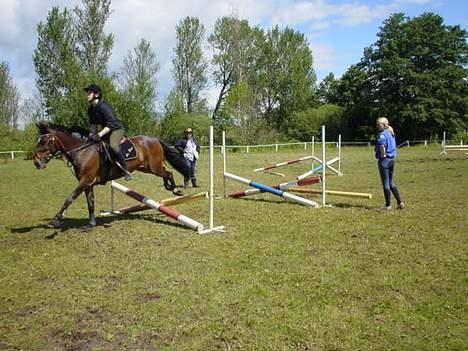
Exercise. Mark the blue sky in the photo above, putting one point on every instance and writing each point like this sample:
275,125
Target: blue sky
338,30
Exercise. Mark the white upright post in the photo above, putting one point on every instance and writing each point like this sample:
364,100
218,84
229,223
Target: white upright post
444,151
339,153
224,163
324,167
313,150
211,190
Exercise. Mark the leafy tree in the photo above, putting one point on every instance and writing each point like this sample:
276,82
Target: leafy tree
139,81
56,64
94,46
327,89
189,64
235,52
286,75
173,126
307,123
71,52
418,73
354,94
9,98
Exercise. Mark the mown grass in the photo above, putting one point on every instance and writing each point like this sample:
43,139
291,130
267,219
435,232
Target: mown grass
282,277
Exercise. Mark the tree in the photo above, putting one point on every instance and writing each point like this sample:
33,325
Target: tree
286,76
58,70
235,52
139,82
72,51
417,69
9,98
189,64
94,46
327,89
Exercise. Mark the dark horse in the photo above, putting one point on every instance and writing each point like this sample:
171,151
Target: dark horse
85,158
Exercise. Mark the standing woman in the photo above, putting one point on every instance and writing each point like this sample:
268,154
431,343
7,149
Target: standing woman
101,115
385,152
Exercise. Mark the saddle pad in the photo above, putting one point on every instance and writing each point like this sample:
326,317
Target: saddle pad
128,149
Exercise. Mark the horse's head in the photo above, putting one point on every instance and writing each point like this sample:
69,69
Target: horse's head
47,146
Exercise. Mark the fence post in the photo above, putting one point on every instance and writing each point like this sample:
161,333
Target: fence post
425,142
276,147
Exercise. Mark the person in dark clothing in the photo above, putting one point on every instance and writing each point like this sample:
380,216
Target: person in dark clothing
102,117
385,153
188,144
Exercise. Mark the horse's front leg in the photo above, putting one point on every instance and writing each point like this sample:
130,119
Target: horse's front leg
57,220
90,199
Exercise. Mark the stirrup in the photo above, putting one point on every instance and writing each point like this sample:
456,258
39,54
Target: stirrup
128,175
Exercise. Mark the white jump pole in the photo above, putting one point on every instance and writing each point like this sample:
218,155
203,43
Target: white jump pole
223,148
324,167
211,190
339,154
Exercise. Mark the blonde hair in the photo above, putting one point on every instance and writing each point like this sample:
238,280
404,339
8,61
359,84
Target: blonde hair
386,124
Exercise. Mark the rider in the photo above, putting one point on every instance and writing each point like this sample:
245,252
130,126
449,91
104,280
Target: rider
101,113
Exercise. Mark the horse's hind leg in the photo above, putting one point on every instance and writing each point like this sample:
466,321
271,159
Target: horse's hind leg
157,168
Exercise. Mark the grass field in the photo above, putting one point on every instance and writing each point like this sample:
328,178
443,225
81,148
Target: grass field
282,277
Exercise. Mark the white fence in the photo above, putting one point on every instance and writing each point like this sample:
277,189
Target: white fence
12,154
305,145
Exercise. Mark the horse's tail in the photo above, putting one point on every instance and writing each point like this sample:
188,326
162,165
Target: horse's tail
175,159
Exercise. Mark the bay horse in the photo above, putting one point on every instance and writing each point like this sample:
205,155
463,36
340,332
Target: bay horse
85,158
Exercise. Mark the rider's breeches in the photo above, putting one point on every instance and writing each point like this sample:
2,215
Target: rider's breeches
114,140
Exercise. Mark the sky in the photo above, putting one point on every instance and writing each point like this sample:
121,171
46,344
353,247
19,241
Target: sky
337,30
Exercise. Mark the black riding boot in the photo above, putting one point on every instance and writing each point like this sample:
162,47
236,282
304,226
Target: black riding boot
121,160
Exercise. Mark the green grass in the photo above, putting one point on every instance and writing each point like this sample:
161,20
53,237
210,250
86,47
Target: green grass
282,277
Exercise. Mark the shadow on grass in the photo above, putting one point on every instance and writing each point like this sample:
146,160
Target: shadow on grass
73,224
272,201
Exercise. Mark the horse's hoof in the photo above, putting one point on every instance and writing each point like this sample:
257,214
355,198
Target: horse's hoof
177,192
54,223
88,227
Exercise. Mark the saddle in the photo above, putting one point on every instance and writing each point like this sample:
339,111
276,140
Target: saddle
109,170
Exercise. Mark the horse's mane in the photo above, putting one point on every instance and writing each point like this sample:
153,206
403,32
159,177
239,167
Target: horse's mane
44,126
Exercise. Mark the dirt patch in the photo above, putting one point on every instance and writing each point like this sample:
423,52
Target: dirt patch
148,297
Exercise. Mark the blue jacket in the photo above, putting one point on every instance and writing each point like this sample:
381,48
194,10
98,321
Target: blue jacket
387,139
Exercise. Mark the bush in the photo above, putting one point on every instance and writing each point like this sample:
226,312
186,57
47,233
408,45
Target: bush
173,126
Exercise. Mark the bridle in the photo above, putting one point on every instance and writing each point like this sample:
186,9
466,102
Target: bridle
58,145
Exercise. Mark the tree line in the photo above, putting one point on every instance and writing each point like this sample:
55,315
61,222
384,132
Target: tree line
415,74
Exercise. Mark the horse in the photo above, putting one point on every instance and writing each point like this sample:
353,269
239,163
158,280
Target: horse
85,158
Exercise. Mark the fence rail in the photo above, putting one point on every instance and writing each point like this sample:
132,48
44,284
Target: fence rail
277,146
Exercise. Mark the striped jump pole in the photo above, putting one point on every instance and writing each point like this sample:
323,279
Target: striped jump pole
188,222
285,195
166,202
281,186
318,168
331,192
285,163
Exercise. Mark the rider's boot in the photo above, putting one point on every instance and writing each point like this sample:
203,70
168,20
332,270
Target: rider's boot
119,157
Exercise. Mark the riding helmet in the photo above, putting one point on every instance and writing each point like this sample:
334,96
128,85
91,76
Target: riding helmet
94,88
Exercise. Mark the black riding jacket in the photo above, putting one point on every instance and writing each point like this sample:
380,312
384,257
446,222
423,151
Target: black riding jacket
102,114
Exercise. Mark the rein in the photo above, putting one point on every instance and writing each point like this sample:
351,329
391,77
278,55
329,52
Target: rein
59,152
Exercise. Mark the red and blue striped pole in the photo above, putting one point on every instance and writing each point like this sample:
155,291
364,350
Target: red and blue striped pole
278,192
281,186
